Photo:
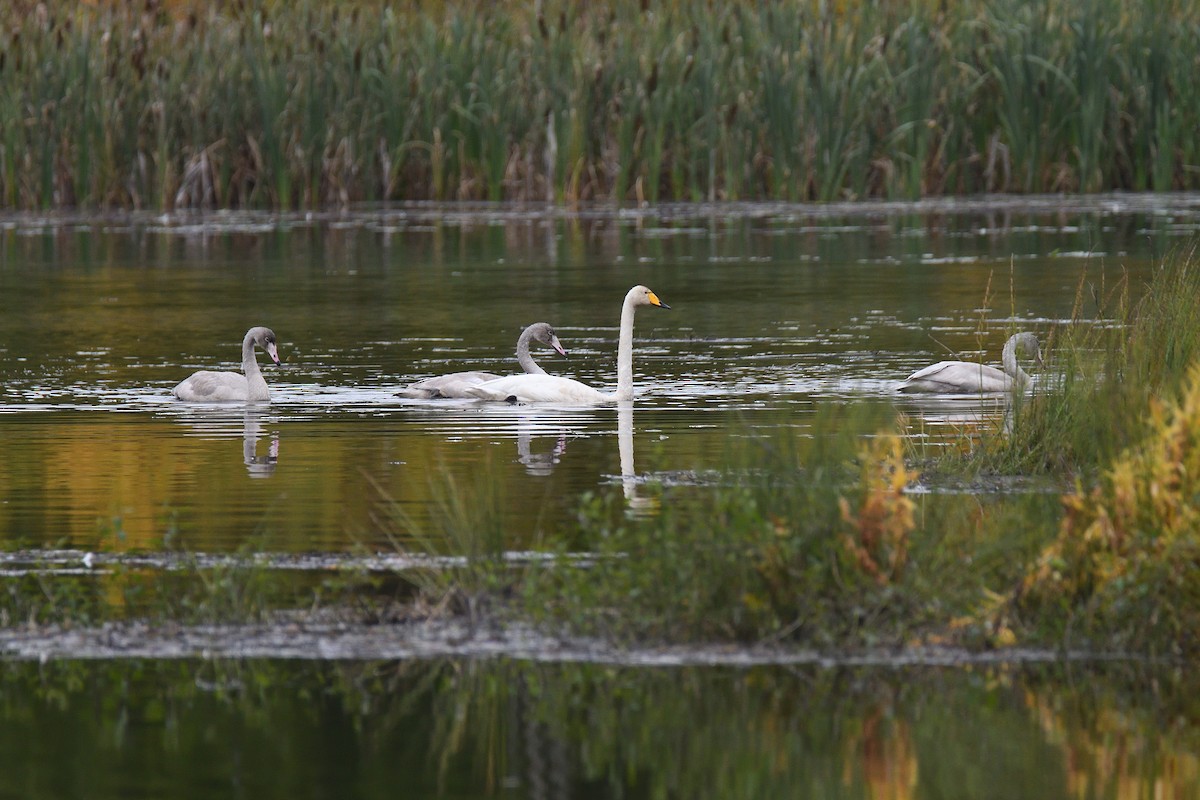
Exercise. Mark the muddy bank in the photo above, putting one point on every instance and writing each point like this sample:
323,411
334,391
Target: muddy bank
82,562
328,639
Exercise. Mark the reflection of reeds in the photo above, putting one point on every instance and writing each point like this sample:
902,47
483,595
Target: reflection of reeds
266,104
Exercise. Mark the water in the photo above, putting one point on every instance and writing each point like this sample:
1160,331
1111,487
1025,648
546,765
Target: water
425,729
776,313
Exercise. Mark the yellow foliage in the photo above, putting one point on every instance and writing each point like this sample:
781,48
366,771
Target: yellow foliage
878,532
1143,512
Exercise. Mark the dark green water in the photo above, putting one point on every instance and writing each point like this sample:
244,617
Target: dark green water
428,729
776,313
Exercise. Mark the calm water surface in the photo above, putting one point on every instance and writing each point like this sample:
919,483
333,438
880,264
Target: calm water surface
485,729
777,312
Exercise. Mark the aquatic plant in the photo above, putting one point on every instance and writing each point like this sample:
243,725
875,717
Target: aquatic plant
1125,566
789,545
38,598
467,529
1100,376
879,529
267,104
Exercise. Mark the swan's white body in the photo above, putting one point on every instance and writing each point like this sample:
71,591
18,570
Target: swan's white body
553,389
206,386
456,383
963,377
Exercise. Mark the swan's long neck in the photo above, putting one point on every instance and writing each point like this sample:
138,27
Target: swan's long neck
257,384
625,351
1010,362
523,356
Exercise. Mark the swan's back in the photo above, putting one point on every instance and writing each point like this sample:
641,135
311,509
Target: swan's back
207,386
958,377
539,389
454,385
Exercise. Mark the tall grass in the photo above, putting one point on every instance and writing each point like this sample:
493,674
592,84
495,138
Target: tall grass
267,104
1101,378
805,539
1125,567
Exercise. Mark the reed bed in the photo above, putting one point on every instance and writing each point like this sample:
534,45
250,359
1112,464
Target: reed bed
1102,377
307,104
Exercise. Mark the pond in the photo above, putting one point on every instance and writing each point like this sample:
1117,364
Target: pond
776,313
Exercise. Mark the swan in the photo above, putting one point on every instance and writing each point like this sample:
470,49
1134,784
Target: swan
964,377
455,384
553,389
216,387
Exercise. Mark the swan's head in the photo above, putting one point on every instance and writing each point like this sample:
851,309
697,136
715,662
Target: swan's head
545,334
265,338
641,296
1028,343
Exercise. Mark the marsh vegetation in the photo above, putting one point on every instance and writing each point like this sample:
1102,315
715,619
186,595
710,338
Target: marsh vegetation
770,537
312,104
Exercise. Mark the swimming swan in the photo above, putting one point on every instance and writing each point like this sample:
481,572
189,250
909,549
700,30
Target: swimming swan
553,389
217,387
456,383
963,377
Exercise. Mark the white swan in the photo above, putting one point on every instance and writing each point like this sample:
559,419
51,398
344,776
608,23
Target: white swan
216,387
456,383
553,389
963,377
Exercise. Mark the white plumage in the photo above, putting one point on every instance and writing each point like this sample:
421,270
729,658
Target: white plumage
554,389
456,383
207,386
964,377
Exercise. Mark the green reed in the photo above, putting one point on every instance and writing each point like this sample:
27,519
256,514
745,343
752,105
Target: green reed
761,554
284,105
1102,374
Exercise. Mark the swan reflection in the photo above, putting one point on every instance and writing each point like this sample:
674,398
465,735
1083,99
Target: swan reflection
227,423
258,466
947,418
640,504
538,464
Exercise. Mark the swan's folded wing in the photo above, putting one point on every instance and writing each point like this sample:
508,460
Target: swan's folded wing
212,387
537,389
453,385
957,377
931,372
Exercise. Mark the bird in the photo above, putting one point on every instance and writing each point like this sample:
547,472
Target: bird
456,383
964,377
554,389
206,386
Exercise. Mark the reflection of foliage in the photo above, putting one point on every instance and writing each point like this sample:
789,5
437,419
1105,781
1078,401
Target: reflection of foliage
1127,557
185,589
471,727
